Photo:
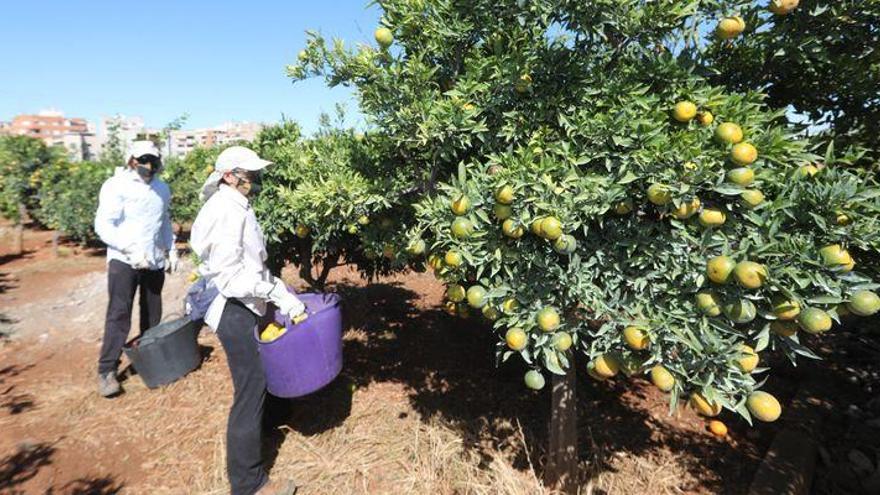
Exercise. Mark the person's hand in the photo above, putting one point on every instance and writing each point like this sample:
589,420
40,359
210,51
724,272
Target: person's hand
138,260
287,303
173,261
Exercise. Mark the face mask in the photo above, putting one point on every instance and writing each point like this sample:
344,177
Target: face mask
250,186
146,173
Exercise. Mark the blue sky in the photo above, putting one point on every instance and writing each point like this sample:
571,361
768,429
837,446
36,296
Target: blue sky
217,60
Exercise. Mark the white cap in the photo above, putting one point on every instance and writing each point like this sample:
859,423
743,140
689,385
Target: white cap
138,149
239,157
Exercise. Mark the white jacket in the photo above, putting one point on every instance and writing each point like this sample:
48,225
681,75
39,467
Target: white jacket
232,254
134,218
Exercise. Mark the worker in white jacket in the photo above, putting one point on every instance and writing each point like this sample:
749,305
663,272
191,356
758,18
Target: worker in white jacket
232,253
134,221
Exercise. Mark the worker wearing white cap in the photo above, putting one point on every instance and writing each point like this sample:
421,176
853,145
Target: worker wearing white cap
232,254
134,221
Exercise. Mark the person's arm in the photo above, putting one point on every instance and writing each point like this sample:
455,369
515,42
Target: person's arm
233,279
109,217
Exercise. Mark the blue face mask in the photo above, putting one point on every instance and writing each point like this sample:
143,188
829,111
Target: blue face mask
145,172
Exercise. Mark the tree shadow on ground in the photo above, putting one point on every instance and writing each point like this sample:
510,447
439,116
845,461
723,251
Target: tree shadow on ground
448,367
19,467
26,253
7,282
89,486
16,403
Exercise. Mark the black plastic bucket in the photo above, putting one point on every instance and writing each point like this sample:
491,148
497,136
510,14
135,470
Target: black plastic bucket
166,352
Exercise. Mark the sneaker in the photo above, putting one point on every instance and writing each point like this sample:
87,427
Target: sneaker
108,385
286,487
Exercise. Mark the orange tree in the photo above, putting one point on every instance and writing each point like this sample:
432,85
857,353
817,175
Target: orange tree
582,186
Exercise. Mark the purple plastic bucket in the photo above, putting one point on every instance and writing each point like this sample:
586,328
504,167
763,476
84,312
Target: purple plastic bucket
307,356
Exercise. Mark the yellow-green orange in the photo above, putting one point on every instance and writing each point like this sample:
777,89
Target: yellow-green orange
730,27
864,303
708,303
511,229
624,207
536,227
834,256
784,328
462,228
684,111
566,244
605,366
748,360
712,217
456,293
743,154
814,321
783,7
416,247
461,205
729,133
509,305
534,380
551,228
659,194
384,37
490,313
786,309
504,195
742,176
687,209
719,269
740,311
562,341
763,406
662,378
752,197
636,338
808,170
502,212
703,406
705,118
453,258
547,319
476,296
749,274
516,339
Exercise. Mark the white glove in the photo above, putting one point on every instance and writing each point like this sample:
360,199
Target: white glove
173,261
287,303
138,260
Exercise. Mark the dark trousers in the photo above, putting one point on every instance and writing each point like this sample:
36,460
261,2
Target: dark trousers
122,282
244,429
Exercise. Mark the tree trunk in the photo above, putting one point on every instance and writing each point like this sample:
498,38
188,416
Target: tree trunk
55,242
18,236
562,455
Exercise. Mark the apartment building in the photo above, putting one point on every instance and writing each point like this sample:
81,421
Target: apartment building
183,141
53,128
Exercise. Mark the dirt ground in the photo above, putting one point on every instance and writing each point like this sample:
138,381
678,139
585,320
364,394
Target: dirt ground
419,407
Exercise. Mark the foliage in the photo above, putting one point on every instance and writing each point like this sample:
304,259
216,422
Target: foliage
570,105
185,176
21,158
68,197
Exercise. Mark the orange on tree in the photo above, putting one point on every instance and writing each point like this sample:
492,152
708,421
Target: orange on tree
302,231
786,309
864,303
842,219
504,195
516,339
687,209
740,311
547,319
814,321
624,207
729,133
363,220
523,84
743,154
662,378
416,247
384,37
453,258
712,217
534,380
808,170
749,274
742,176
456,293
659,194
636,338
703,407
719,269
752,197
748,359
477,296
705,118
461,205
783,7
562,341
536,227
490,313
763,406
502,211
509,305
512,229
730,27
718,428
784,328
551,228
835,257
605,365
462,228
565,244
684,111
708,303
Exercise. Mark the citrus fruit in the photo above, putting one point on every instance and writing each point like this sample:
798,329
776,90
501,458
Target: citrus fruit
834,256
502,212
536,227
384,37
730,27
763,406
689,165
534,380
416,247
509,305
718,428
749,274
783,7
523,84
548,319
749,359
719,268
703,406
752,197
687,210
453,258
743,154
511,229
662,378
814,321
462,228
805,171
450,308
566,244
605,366
504,195
562,341
636,338
783,328
302,231
786,309
352,229
705,118
516,339
467,107
712,217
455,293
742,176
592,372
708,303
490,313
461,205
684,111
842,219
551,227
864,303
740,311
364,220
659,194
476,296
624,207
729,133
